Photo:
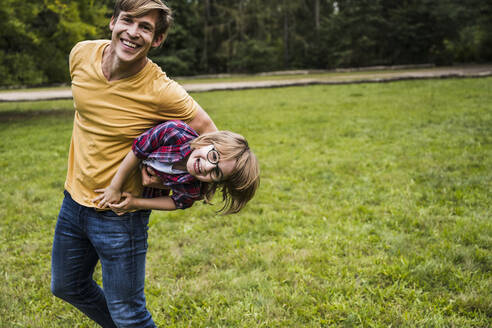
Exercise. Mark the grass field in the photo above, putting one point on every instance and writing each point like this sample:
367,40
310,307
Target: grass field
374,211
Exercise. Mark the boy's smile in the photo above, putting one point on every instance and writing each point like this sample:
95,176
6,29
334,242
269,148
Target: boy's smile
202,169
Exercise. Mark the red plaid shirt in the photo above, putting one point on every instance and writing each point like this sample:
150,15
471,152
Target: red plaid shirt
169,143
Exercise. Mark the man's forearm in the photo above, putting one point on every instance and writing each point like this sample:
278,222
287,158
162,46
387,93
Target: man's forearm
202,123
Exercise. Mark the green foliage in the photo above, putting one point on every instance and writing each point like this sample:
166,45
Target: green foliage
252,36
211,36
19,68
473,41
374,210
37,37
255,56
173,64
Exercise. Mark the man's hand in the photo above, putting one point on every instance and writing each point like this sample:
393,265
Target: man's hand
109,195
150,179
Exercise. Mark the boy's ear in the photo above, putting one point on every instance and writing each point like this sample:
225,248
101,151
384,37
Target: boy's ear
158,40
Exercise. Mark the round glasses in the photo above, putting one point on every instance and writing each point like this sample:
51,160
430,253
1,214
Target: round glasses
213,157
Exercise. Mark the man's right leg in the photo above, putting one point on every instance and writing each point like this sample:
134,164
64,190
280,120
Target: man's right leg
73,262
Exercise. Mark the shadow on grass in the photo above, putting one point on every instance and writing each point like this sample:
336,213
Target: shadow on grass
15,116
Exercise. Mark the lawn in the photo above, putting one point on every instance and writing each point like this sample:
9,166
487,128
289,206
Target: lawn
374,211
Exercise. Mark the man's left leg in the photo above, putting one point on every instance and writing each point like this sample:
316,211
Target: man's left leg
121,242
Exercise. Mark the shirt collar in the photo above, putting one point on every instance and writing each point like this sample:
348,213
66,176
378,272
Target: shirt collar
185,150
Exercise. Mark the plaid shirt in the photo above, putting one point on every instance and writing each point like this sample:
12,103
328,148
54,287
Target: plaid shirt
169,143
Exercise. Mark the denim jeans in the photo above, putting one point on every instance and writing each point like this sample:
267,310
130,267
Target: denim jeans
84,236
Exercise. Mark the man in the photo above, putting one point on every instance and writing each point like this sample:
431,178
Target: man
118,94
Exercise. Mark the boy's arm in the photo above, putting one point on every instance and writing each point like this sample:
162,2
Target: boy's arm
126,167
163,203
112,193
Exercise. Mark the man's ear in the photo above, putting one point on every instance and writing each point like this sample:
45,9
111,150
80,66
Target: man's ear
158,40
111,23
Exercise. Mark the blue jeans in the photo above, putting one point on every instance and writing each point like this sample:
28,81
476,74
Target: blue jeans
84,236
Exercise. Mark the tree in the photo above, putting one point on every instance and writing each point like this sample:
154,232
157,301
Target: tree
37,37
244,36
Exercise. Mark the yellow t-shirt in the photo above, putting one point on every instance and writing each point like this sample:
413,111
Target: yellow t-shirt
110,114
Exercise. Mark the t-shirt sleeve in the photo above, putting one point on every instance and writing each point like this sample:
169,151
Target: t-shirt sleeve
75,57
176,103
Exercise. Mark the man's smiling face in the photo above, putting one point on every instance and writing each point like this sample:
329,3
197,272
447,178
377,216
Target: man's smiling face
132,37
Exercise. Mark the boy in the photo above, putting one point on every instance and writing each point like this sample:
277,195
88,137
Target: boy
192,166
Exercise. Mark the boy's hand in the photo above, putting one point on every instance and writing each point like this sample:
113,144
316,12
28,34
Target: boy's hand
149,178
126,205
109,196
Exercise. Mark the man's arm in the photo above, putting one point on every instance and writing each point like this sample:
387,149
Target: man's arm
202,123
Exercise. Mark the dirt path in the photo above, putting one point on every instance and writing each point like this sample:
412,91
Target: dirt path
358,76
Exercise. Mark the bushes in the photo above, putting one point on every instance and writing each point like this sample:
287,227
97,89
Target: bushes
37,37
251,36
19,69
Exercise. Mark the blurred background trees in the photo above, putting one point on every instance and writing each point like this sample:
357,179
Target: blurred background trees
247,36
36,37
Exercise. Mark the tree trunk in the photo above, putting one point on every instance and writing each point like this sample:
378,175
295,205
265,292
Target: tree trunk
316,15
206,31
286,34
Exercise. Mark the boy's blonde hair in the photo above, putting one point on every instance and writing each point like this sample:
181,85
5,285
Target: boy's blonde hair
140,8
241,185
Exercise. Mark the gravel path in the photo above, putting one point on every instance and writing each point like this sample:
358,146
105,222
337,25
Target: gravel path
354,76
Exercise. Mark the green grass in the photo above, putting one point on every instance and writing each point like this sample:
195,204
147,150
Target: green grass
29,108
373,211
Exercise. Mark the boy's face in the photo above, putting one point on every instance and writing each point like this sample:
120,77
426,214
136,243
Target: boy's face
201,165
133,37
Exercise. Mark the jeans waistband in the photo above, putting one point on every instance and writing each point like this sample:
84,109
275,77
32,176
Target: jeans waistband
110,212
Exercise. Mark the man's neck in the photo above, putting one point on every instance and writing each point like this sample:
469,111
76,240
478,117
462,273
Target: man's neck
114,69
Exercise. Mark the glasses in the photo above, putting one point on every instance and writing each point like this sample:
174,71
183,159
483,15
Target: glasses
213,157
